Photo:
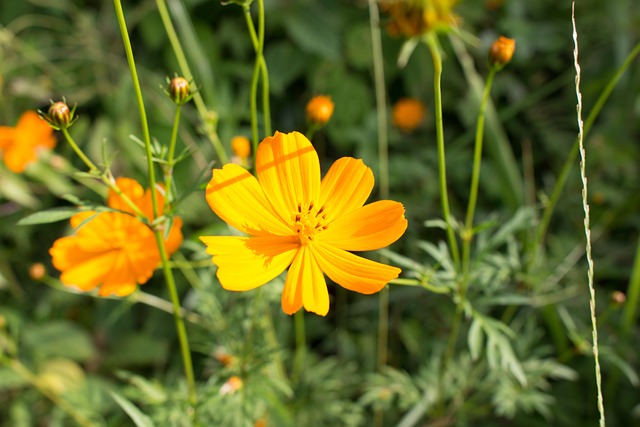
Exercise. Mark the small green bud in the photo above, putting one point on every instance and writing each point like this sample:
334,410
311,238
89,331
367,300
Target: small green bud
179,90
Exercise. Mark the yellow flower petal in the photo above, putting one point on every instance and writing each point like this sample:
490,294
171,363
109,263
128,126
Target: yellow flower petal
351,271
370,227
289,172
245,263
345,187
305,286
236,197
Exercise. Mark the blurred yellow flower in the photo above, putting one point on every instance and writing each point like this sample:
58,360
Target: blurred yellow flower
19,145
320,109
407,114
114,251
414,17
294,219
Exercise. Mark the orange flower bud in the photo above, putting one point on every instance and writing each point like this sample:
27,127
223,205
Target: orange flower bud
59,116
37,271
407,114
179,90
501,51
241,147
320,109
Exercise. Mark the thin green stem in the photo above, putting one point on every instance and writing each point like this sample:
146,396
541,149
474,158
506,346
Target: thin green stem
17,367
206,116
467,236
158,231
93,169
633,298
260,66
383,165
568,165
255,40
301,345
168,173
434,49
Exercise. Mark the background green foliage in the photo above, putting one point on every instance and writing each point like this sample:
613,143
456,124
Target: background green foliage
523,357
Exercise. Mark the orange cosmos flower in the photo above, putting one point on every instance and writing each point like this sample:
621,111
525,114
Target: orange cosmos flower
113,251
19,145
320,109
296,220
407,114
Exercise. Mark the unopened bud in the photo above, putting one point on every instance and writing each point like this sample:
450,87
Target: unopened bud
59,116
241,147
37,271
179,90
501,51
618,297
320,109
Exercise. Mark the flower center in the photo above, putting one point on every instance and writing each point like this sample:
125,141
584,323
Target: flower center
308,221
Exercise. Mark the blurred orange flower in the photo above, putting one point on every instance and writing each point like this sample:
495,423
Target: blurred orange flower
114,251
19,145
407,114
320,109
294,219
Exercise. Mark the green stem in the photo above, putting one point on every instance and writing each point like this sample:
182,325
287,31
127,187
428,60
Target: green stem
17,367
164,258
259,67
633,298
301,346
383,165
568,165
93,169
168,174
434,49
467,236
203,112
256,41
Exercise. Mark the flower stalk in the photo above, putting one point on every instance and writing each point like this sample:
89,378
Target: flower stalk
204,113
434,48
168,274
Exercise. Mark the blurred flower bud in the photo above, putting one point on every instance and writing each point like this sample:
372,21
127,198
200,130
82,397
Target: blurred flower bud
232,385
407,114
179,90
501,52
261,422
320,109
37,271
241,147
59,116
618,298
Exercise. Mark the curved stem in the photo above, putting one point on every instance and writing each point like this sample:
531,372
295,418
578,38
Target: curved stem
434,49
158,232
260,67
203,112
